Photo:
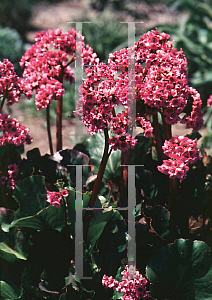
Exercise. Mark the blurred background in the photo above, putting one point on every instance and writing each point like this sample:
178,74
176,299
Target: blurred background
189,23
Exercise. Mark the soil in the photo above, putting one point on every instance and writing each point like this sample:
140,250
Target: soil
46,16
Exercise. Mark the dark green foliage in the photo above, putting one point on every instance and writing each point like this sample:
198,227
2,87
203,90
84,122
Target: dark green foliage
95,146
31,196
10,45
194,36
181,271
104,34
52,252
58,166
7,291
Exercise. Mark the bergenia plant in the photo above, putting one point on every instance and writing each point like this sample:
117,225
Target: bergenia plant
43,188
161,89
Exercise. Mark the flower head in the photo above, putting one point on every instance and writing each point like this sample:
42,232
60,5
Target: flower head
10,83
54,198
181,152
161,85
132,288
13,132
47,64
10,178
209,101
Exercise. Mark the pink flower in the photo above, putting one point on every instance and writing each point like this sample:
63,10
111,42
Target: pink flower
132,288
54,198
65,193
13,132
10,83
209,101
10,180
181,152
194,121
161,85
13,170
47,64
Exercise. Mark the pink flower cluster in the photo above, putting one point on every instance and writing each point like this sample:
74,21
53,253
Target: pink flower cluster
209,101
13,132
195,120
119,126
54,198
146,125
182,152
164,85
10,178
161,85
10,83
47,64
132,288
97,107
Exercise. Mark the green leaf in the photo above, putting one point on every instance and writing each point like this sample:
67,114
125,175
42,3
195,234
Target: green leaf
69,158
95,146
8,292
140,150
98,223
160,220
182,270
31,195
194,135
116,294
207,141
50,217
9,254
53,217
71,203
33,222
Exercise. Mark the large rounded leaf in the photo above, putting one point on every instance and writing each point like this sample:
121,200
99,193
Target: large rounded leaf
95,146
9,254
99,220
69,158
98,223
50,217
8,292
160,218
31,195
182,270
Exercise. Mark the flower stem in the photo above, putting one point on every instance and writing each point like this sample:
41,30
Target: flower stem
49,130
97,184
66,218
69,62
2,103
158,140
59,116
167,131
173,183
125,158
172,195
